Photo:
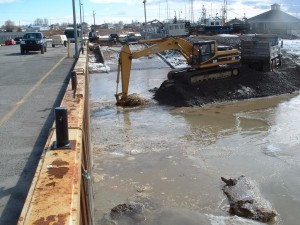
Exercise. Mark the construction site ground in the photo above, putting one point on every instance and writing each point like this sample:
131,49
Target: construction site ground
249,84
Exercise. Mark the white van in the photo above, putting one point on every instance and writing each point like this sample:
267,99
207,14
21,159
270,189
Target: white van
59,40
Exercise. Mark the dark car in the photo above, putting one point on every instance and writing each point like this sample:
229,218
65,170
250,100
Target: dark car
33,41
132,37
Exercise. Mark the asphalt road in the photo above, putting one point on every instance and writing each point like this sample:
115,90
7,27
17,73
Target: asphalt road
31,86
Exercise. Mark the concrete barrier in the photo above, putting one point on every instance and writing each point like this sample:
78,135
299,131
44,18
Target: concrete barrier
61,191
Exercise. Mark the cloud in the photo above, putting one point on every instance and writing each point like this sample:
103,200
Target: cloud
7,1
110,1
116,10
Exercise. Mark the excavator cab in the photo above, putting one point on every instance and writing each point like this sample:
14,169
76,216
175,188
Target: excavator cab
203,51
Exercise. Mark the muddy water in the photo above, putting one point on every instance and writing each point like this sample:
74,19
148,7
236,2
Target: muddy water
170,160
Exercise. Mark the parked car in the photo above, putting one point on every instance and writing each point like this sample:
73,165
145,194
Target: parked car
17,40
10,42
132,37
59,40
33,41
113,38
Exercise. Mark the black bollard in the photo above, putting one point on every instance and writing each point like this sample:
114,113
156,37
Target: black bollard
74,80
62,133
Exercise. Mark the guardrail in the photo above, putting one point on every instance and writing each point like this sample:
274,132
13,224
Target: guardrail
62,191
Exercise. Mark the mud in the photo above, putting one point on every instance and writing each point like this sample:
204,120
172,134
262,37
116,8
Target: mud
246,201
249,84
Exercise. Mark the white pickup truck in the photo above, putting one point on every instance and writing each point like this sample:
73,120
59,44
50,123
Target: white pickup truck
59,40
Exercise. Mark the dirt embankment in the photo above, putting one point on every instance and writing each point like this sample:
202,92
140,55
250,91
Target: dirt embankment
249,84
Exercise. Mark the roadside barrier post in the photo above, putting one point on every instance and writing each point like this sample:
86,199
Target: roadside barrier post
82,47
69,53
74,82
62,133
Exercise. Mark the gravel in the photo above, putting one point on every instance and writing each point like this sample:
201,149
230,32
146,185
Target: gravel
249,84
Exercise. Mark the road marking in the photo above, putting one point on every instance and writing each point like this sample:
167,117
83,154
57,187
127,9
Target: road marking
22,100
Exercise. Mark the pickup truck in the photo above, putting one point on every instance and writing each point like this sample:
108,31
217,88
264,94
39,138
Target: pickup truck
33,41
59,40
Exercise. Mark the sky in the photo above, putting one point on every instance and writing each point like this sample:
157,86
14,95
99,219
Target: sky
25,12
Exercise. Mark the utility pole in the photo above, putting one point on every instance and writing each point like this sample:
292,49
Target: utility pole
145,10
224,14
75,30
167,10
81,22
94,20
82,12
94,33
159,11
192,11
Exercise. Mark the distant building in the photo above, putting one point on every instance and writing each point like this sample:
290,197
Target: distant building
234,21
119,26
107,26
37,28
54,27
275,21
239,26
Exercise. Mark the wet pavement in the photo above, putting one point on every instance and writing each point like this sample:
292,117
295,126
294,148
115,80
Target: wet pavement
170,160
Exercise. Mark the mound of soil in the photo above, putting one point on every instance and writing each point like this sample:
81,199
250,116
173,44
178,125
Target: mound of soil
249,84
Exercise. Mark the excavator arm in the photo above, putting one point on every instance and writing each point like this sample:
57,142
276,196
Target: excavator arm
158,45
204,58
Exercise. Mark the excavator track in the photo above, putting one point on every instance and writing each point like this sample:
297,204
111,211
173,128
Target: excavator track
194,76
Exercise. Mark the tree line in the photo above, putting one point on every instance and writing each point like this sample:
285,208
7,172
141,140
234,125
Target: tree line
9,26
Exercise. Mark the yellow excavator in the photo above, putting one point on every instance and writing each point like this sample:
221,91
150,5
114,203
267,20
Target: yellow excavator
205,59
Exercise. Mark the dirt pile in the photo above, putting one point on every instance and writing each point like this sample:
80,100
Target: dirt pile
249,84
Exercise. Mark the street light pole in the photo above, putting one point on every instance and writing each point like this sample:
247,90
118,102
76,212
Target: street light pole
75,30
145,10
82,12
167,10
94,19
81,22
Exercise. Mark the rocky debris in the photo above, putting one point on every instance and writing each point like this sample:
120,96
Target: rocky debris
246,200
134,100
249,84
154,213
128,211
